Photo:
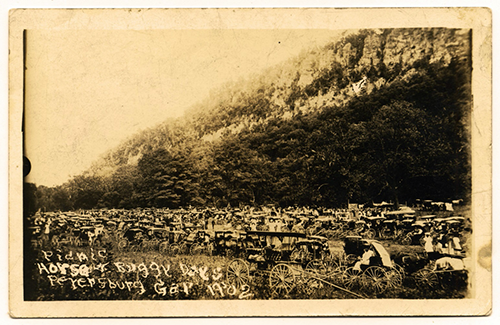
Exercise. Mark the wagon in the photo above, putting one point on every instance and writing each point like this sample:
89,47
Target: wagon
231,243
271,256
132,238
198,242
445,270
171,244
389,229
416,235
311,248
377,275
155,234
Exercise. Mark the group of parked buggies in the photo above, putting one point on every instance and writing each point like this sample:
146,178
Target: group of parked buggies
294,261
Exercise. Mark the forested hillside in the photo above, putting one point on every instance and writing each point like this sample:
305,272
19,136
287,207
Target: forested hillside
379,114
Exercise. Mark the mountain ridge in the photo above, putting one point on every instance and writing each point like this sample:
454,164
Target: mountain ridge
398,67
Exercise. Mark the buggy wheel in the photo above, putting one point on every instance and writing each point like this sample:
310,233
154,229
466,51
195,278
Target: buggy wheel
370,233
351,278
174,249
196,249
406,240
374,279
316,266
238,273
55,240
394,278
122,244
145,245
163,248
281,279
318,269
334,270
426,279
135,248
400,270
183,249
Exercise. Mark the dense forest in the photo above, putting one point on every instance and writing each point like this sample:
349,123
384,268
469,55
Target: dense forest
376,115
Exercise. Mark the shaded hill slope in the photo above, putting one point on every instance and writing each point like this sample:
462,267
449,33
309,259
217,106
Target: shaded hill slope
380,114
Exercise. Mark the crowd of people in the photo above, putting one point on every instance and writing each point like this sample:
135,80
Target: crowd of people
437,235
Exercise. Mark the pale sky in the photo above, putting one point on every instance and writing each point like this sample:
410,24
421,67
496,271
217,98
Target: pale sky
88,90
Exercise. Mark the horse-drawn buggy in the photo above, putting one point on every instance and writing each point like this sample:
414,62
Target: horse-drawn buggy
231,243
199,241
171,244
368,266
277,255
445,271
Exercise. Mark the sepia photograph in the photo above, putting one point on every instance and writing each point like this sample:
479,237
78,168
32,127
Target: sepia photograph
220,158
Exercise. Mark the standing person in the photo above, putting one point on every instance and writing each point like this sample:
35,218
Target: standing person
429,245
46,231
271,224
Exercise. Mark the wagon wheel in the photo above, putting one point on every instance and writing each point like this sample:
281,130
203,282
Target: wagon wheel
374,279
183,249
196,249
163,248
406,240
55,240
174,249
401,270
394,278
135,247
238,273
281,279
317,268
370,233
122,244
426,279
351,278
334,270
145,245
386,233
153,244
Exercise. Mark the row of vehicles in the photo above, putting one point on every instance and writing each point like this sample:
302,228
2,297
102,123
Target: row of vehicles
398,226
288,260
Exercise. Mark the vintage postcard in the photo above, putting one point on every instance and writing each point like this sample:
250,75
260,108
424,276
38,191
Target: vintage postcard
250,162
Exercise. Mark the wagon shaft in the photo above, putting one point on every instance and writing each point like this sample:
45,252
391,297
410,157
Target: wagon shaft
320,278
